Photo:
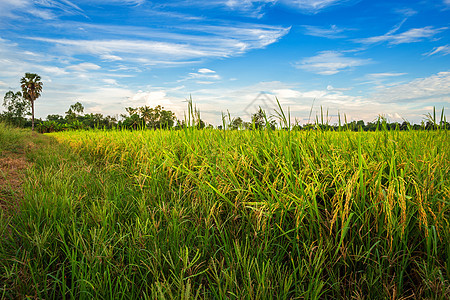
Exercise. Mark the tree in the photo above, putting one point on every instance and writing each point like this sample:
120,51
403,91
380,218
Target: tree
259,120
31,89
148,115
236,123
77,108
360,124
166,118
133,121
71,114
154,118
17,107
56,118
405,125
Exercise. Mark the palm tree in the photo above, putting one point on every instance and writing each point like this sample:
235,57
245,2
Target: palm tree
31,88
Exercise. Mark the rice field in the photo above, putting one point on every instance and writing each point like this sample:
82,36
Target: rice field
218,214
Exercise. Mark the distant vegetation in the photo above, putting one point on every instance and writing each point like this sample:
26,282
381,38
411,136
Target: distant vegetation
18,105
145,117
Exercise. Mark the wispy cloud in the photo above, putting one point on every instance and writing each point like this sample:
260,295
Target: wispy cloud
441,50
331,32
206,71
7,7
247,8
107,47
250,7
385,75
407,12
83,67
314,6
110,81
410,36
109,57
246,4
117,2
47,10
330,63
156,47
381,80
258,8
52,9
431,88
203,76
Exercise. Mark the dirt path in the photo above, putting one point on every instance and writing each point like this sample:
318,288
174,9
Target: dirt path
12,167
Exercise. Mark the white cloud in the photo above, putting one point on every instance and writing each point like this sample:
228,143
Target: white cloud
252,8
332,88
287,93
13,62
43,14
435,87
380,81
246,100
83,67
330,63
248,8
442,50
158,97
313,6
109,57
202,76
104,47
384,75
6,7
257,8
205,74
206,71
46,10
149,97
111,99
331,32
110,81
247,4
53,9
407,12
153,47
243,36
410,36
53,70
118,2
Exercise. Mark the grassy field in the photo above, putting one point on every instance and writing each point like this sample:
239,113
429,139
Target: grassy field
213,214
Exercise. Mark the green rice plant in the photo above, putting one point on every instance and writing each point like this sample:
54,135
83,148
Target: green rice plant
255,214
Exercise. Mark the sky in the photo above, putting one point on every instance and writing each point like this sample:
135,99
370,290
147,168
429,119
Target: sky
361,58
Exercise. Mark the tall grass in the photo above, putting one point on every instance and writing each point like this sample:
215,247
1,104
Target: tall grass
233,214
12,139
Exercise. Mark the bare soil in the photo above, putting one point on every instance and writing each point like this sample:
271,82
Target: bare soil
12,167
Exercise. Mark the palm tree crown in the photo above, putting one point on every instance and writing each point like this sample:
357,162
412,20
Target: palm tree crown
31,88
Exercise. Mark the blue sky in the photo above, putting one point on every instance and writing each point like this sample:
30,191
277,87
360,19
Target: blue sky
362,58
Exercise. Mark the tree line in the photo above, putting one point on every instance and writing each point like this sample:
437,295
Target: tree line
20,105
